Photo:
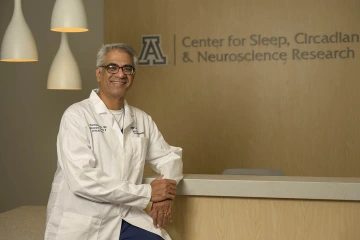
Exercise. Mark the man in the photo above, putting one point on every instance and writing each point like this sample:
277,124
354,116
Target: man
102,145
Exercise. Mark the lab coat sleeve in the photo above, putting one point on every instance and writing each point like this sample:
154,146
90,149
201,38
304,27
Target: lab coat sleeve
84,178
163,158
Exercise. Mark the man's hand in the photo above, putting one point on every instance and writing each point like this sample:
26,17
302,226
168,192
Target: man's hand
162,189
161,213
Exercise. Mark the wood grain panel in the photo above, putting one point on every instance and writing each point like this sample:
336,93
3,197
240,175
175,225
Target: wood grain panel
299,116
216,218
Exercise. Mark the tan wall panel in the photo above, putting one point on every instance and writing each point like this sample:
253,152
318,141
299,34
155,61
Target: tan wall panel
299,116
263,219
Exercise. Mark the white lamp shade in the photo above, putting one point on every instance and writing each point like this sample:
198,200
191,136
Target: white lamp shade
18,44
64,72
69,16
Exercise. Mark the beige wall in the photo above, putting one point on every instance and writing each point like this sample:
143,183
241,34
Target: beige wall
299,116
30,114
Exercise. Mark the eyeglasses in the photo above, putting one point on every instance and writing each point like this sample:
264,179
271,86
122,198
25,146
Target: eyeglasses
113,68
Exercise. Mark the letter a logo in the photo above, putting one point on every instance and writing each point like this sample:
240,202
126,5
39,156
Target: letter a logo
151,52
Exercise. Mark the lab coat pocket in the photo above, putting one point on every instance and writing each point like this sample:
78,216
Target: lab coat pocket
79,227
139,146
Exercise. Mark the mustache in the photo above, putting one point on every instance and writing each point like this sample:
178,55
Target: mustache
116,78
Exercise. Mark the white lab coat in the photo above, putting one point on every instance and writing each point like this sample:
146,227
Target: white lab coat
98,181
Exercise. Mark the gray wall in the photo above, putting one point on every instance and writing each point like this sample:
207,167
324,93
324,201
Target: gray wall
30,114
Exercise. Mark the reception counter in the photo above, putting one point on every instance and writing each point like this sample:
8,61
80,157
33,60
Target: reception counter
234,207
240,207
320,188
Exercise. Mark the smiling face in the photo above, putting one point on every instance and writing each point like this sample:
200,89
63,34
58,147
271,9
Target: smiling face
113,87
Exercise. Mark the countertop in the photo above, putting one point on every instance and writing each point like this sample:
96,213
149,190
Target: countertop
288,187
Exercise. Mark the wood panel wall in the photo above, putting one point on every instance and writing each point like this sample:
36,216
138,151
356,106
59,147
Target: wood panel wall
213,218
296,114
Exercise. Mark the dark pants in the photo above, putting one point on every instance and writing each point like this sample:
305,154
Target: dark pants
130,232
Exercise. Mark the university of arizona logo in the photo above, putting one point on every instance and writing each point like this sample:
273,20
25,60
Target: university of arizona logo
151,52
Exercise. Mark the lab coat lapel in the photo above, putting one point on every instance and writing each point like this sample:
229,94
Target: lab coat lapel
129,116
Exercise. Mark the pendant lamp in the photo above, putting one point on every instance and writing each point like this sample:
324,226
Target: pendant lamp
64,73
69,16
18,44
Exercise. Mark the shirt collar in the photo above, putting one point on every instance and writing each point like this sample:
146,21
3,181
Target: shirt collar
100,106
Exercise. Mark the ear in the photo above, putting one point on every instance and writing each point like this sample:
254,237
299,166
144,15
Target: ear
98,73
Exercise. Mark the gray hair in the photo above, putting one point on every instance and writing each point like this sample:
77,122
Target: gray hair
115,46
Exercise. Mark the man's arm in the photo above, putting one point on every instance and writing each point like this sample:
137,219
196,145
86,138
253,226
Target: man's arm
165,160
